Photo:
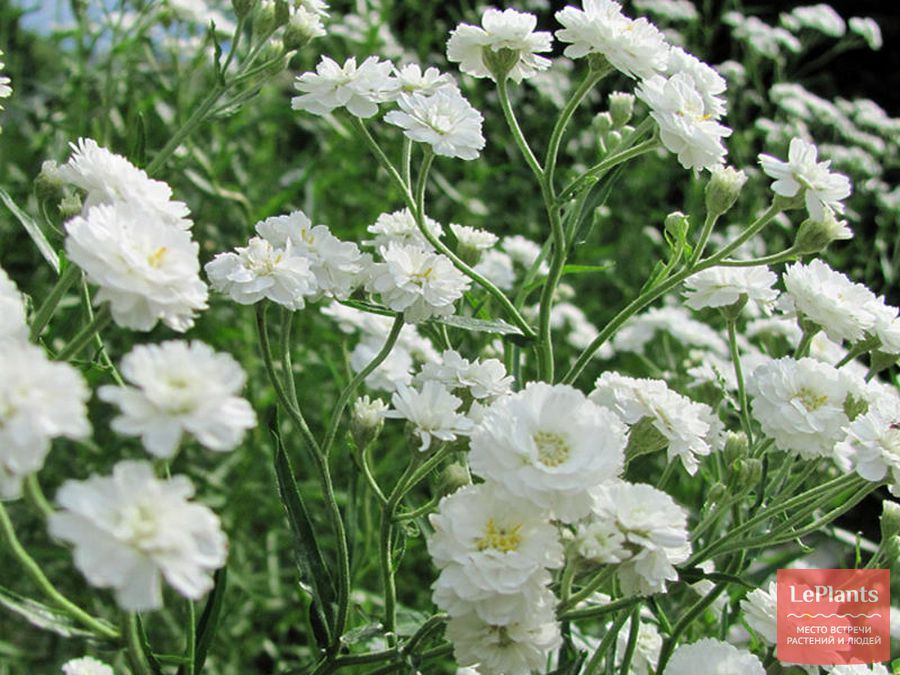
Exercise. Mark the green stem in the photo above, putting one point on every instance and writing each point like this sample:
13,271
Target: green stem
51,302
611,635
708,224
739,376
136,654
35,495
592,174
426,629
633,631
386,554
805,343
589,588
86,334
295,414
599,610
358,379
287,324
33,570
774,259
657,291
516,131
190,647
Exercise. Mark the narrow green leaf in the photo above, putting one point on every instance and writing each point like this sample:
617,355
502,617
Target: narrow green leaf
498,326
208,623
40,615
153,662
588,269
34,231
313,569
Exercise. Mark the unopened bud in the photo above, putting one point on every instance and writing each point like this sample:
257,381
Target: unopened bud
644,438
613,140
367,420
48,186
242,7
621,108
814,235
745,474
452,478
303,27
723,189
890,520
500,62
677,225
264,22
736,447
70,206
602,123
716,493
282,13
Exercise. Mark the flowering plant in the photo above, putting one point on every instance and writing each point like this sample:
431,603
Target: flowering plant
378,443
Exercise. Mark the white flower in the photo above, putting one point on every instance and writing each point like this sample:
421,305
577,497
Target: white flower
86,666
716,656
635,47
497,267
484,379
259,270
5,89
822,189
393,372
601,541
507,30
496,540
454,594
338,265
707,81
131,529
640,330
148,271
887,326
869,30
723,286
686,127
673,10
419,283
819,17
800,404
844,309
516,648
108,178
12,310
550,445
859,669
358,89
683,423
444,120
368,413
433,412
177,388
400,227
39,400
873,443
411,79
303,26
646,651
654,528
759,610
473,237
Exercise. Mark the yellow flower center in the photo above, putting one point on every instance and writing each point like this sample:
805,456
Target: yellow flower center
155,259
810,399
553,449
503,539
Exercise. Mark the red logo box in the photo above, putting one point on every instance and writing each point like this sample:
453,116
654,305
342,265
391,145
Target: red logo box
834,617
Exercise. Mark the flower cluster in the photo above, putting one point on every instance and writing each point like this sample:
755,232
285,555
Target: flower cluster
133,241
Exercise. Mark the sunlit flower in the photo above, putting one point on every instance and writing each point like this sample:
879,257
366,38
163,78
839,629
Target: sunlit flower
130,530
444,120
433,412
358,89
86,665
716,656
12,310
723,286
176,388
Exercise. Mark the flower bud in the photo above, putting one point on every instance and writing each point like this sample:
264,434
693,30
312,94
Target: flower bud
736,447
367,420
890,520
70,206
644,438
452,478
814,235
48,186
602,123
716,493
500,62
745,474
264,22
242,7
282,13
303,27
621,108
723,189
677,225
613,140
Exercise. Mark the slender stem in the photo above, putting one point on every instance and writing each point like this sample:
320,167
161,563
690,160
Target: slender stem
197,118
33,570
51,302
287,324
602,167
190,647
611,634
406,162
35,495
365,461
386,554
135,645
708,224
739,376
666,475
295,414
805,343
86,334
516,130
589,588
598,610
514,314
351,388
652,294
633,631
774,259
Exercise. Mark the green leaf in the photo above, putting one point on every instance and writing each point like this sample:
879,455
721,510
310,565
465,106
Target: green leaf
40,615
597,196
369,307
498,326
153,662
34,231
209,622
588,269
362,634
313,570
696,574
